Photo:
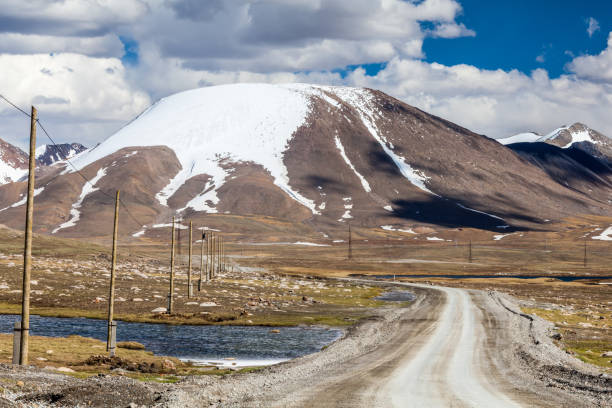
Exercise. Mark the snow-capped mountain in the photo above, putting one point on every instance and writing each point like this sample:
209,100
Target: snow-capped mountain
13,163
576,135
49,154
576,156
314,156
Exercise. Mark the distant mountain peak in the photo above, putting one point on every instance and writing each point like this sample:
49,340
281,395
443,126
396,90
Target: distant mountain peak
49,154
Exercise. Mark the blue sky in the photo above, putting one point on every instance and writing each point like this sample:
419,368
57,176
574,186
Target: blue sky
512,34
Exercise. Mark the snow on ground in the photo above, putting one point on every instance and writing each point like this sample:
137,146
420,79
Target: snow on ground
392,228
37,191
88,188
580,136
348,206
606,235
9,173
361,100
364,182
309,244
388,208
213,126
480,212
206,126
169,225
530,137
40,150
499,236
434,239
139,233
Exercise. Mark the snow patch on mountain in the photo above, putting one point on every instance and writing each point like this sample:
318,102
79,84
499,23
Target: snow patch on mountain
582,135
9,174
606,235
88,188
480,212
527,137
235,123
392,228
37,191
361,100
364,182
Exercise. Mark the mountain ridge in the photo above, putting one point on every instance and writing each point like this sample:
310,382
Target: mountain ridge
310,155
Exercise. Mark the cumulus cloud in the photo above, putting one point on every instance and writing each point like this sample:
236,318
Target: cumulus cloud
66,58
493,102
594,67
71,88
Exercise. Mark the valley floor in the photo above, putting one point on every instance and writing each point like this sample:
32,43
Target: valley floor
450,347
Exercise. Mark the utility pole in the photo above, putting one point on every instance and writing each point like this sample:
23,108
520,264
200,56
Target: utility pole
111,336
189,287
350,254
218,256
208,256
201,260
171,295
27,253
212,256
470,252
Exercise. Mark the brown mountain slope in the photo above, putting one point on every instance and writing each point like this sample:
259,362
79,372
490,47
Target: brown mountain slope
355,156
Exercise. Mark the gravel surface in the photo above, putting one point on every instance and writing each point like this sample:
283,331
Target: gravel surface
466,347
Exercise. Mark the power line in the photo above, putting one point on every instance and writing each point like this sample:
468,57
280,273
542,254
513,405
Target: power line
66,159
15,106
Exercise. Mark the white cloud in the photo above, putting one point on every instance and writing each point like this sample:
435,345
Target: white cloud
17,43
452,30
493,102
85,92
75,87
592,26
594,67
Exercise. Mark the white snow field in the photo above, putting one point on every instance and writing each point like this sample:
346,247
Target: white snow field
606,235
210,126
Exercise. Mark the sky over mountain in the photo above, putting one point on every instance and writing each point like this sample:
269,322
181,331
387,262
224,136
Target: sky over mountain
497,68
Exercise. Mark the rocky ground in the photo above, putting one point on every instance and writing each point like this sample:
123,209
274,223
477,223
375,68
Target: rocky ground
522,355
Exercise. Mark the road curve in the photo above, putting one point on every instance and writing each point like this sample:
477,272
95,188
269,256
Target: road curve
445,371
449,348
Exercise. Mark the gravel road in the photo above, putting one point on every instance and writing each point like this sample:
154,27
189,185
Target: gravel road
449,348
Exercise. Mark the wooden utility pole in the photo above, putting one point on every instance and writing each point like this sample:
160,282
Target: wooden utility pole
111,294
208,256
470,252
212,256
171,295
201,260
350,243
27,253
189,287
218,256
